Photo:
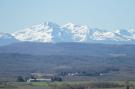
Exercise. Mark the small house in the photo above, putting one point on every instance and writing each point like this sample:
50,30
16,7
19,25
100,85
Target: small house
40,77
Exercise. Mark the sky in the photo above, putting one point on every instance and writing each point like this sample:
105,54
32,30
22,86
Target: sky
104,14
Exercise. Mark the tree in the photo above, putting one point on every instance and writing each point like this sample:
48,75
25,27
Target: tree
20,79
56,78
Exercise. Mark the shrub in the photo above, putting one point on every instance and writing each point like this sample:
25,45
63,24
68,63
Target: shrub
20,79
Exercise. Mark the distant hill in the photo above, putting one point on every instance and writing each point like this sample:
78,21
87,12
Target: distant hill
98,61
94,67
34,48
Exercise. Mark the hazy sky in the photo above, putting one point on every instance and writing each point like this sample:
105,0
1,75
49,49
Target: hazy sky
105,14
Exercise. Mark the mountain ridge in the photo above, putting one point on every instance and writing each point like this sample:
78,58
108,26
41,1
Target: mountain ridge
49,32
92,49
6,39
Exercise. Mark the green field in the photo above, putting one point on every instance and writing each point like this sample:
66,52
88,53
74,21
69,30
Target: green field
68,85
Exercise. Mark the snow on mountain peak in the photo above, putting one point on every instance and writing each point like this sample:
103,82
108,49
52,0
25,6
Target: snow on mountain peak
52,32
78,33
124,32
6,39
37,33
5,36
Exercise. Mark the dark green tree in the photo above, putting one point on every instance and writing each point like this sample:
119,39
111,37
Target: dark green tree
20,79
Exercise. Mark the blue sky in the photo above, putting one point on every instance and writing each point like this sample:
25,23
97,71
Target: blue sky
105,14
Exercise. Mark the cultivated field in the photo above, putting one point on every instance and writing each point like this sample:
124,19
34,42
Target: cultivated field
69,85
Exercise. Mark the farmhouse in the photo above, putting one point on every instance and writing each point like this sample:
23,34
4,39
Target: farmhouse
39,80
40,77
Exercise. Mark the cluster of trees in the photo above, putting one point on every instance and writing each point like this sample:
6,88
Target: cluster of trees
56,78
87,72
87,86
22,79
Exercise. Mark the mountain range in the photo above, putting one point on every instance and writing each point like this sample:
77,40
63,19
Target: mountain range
49,32
51,48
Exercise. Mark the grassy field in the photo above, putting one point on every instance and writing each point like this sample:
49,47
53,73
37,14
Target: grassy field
68,85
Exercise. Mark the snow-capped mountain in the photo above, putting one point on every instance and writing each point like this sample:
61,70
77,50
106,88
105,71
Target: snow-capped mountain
77,33
6,38
52,32
45,32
